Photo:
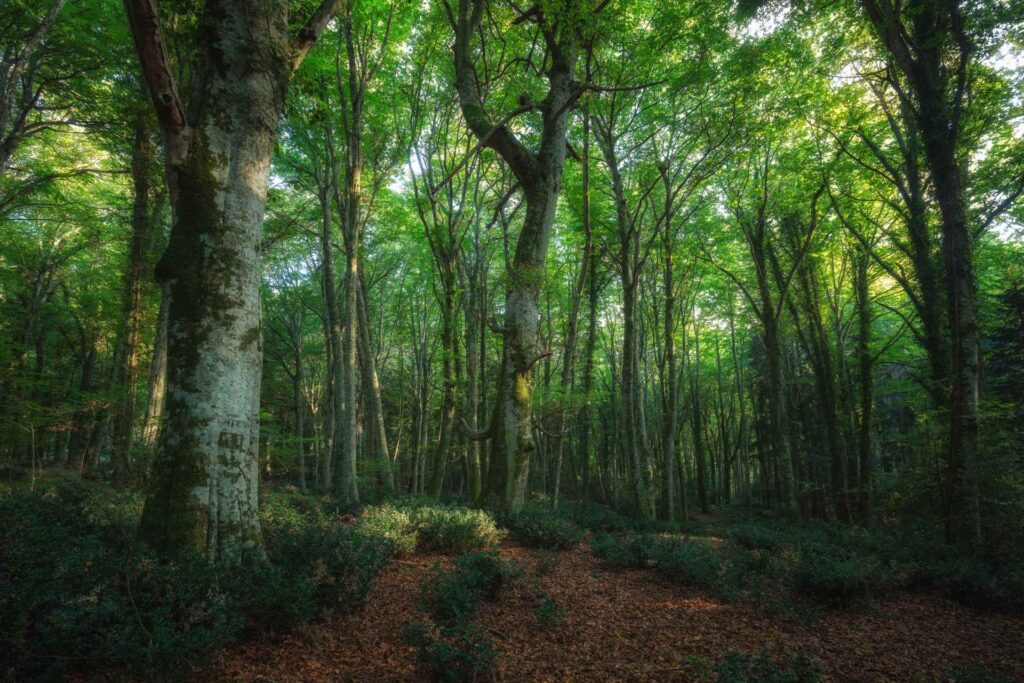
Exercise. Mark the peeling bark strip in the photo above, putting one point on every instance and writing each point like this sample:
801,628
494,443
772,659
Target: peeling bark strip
205,477
540,176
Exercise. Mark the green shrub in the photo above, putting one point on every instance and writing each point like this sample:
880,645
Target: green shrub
972,581
75,592
828,577
538,526
599,518
740,668
548,611
455,530
10,472
396,524
757,537
462,652
633,552
453,596
689,562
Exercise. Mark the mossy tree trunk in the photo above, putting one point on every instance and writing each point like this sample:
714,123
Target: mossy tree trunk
203,494
540,176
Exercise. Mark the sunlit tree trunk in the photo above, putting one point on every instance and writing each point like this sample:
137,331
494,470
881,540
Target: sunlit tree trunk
203,493
127,354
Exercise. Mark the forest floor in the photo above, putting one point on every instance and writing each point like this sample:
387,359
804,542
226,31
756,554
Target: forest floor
631,625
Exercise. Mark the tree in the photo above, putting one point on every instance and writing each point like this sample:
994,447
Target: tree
539,174
217,151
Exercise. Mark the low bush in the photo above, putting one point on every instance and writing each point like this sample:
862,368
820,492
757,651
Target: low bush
972,581
741,668
462,652
453,530
548,611
827,576
453,596
600,518
396,524
689,562
75,592
756,537
623,552
12,472
538,526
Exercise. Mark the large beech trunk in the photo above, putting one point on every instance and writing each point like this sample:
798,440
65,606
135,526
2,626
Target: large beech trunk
929,44
203,494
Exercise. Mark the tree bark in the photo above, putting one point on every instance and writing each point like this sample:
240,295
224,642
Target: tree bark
540,177
203,496
127,354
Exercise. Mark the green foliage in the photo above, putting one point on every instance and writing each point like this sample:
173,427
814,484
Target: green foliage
340,560
828,577
74,591
12,473
413,525
453,596
629,552
972,581
756,536
548,611
826,566
741,668
538,526
454,530
461,652
689,562
393,523
600,518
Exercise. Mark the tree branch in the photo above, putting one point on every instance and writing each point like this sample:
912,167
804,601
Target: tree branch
307,36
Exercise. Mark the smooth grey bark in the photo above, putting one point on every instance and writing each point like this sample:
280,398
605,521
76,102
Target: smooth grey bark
540,176
204,490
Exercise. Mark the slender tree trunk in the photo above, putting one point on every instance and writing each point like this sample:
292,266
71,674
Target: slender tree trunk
446,416
127,355
371,383
864,362
698,426
540,176
333,417
300,406
155,388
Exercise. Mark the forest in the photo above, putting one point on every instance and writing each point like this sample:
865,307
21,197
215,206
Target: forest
509,340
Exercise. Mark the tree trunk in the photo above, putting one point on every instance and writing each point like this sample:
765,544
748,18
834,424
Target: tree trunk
127,355
540,177
371,383
203,494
